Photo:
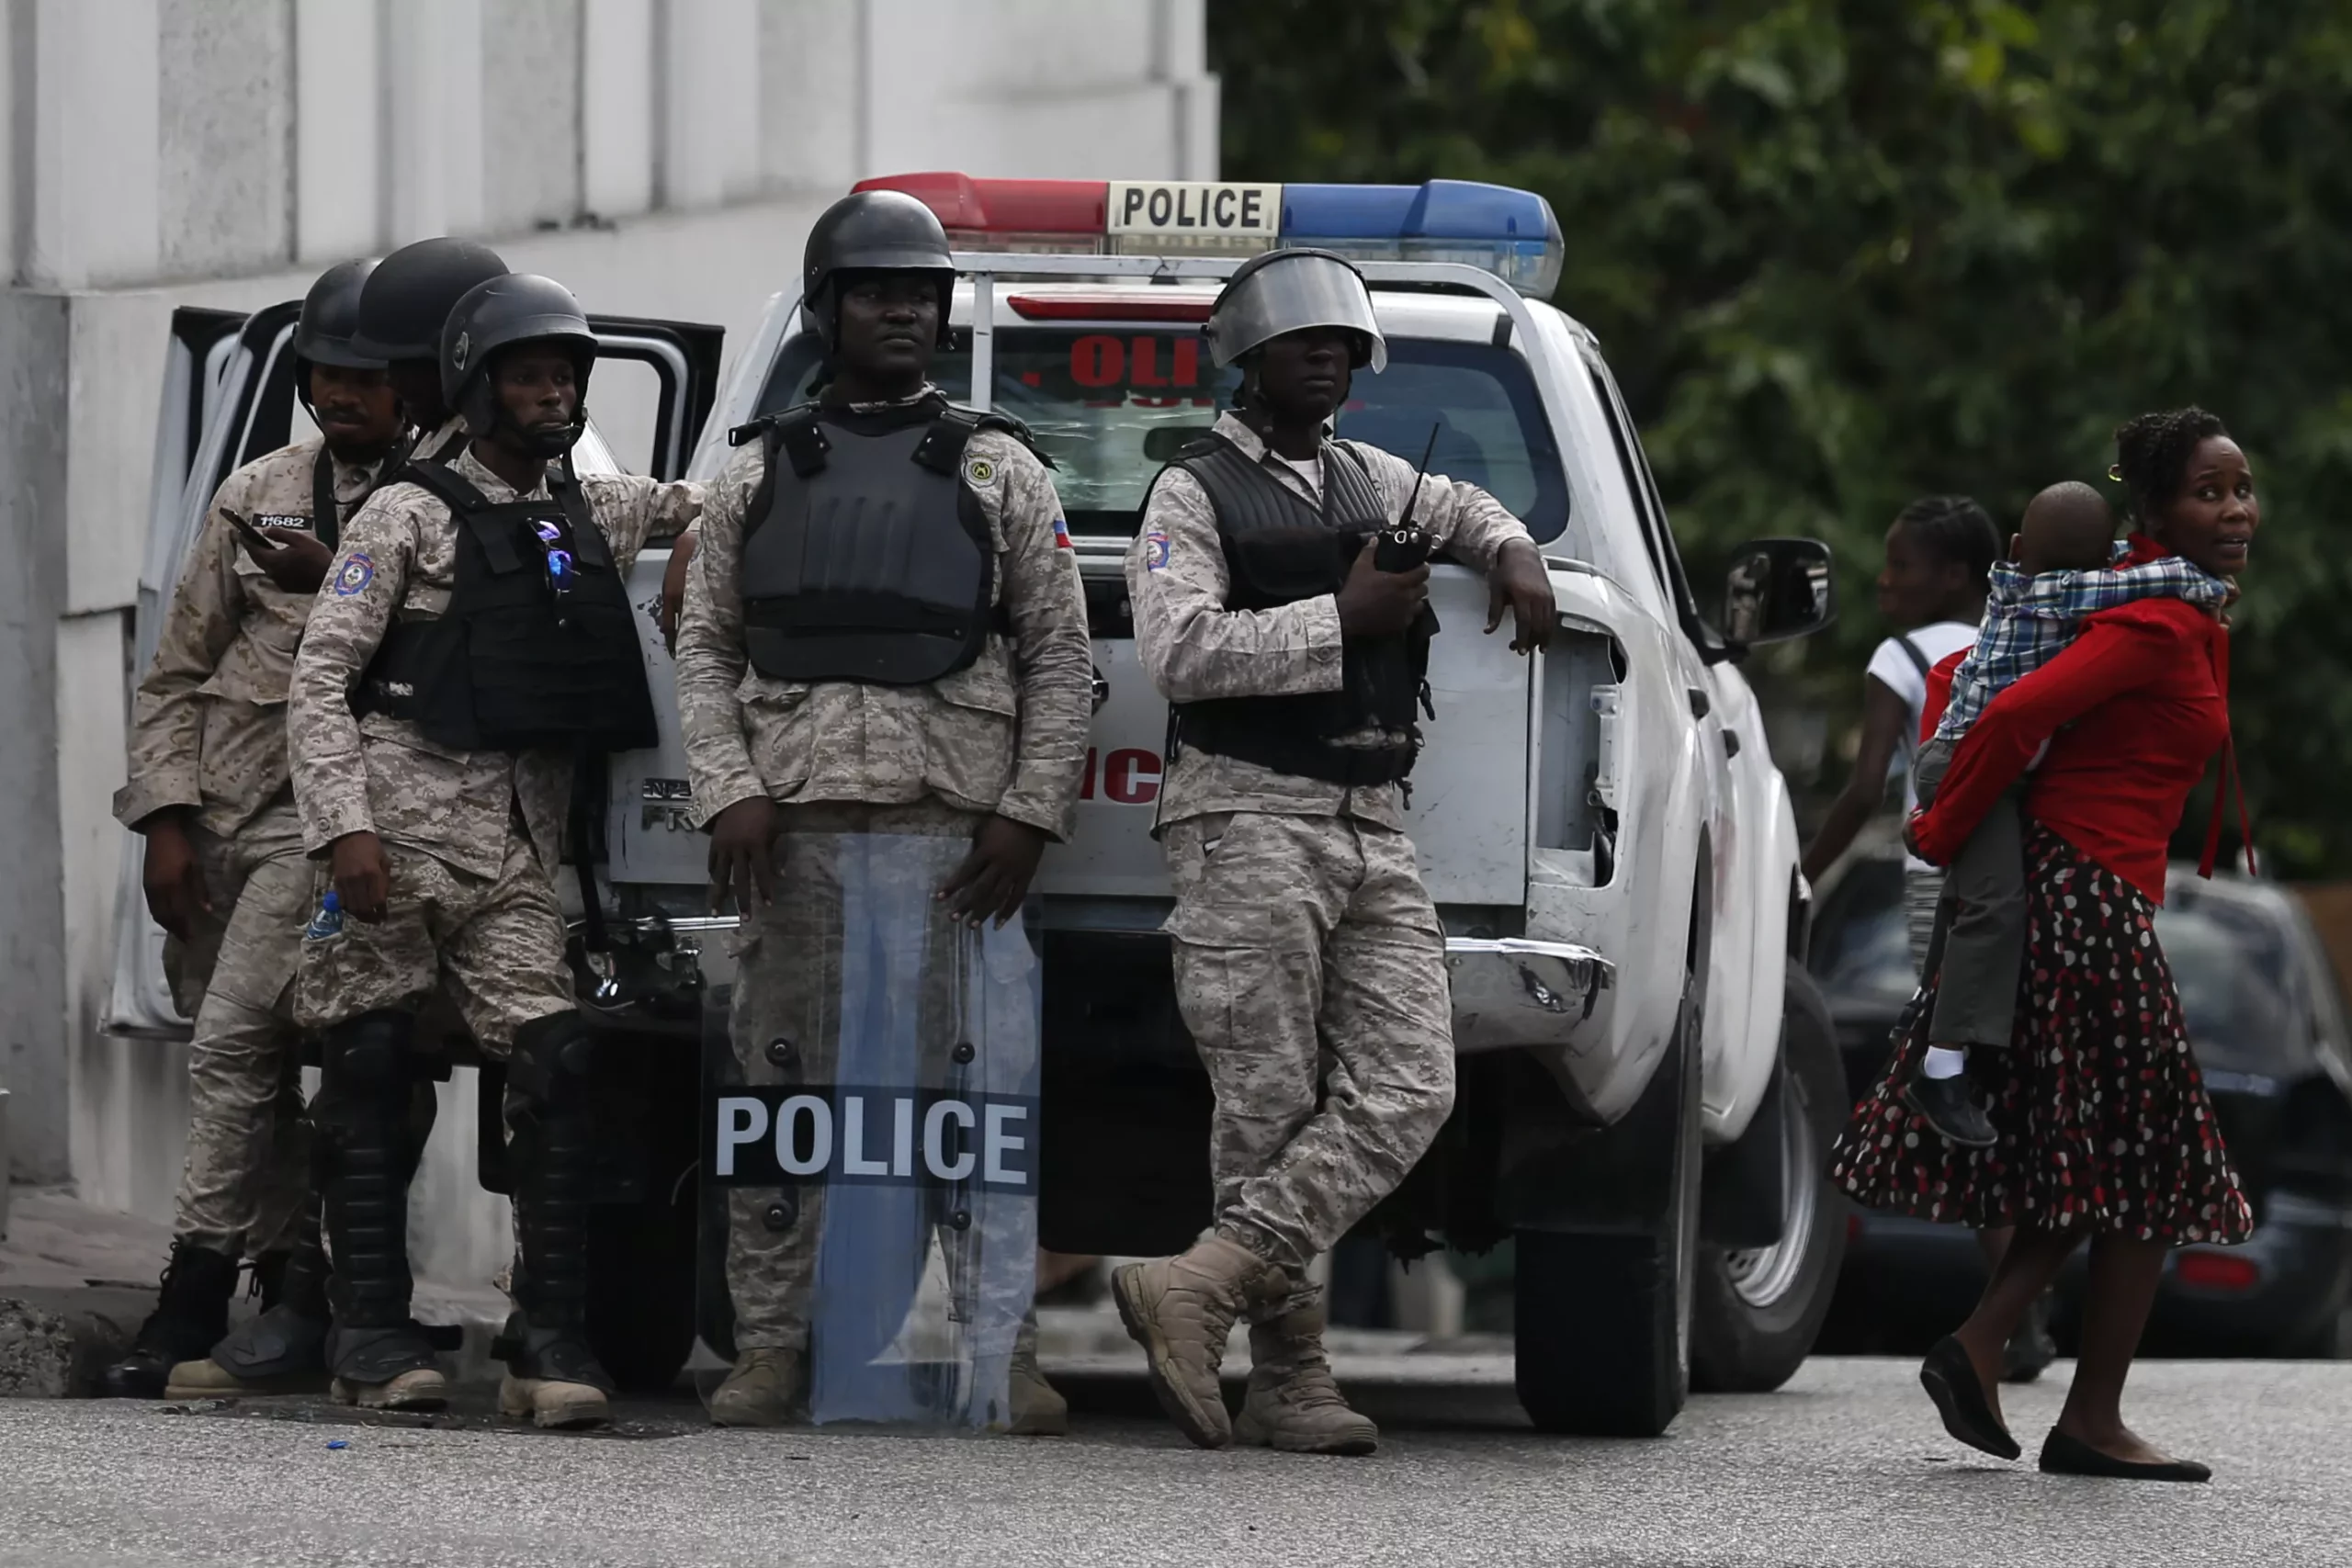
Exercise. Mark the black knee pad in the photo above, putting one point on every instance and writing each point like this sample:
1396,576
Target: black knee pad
550,1066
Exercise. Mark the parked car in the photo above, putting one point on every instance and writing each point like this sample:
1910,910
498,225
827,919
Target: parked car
2269,1028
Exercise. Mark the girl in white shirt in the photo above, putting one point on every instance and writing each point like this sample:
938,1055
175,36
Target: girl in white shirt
1938,553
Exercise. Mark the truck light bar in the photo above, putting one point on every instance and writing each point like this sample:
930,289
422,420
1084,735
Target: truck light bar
1511,233
1106,308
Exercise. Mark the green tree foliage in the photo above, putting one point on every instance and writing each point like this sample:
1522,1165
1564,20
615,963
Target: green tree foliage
1842,253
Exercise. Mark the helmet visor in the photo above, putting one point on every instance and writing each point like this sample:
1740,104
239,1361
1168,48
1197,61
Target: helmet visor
1286,294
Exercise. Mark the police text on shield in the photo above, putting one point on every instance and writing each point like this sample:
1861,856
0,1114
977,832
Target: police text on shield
758,1136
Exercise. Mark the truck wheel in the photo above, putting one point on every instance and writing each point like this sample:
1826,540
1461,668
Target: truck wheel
1760,1309
1602,1322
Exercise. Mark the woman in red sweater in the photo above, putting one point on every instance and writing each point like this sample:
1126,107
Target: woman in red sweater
2105,1128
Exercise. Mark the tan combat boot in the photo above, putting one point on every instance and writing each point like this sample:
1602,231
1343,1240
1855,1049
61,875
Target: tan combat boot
421,1388
556,1403
1038,1411
1292,1405
1180,1309
765,1389
208,1379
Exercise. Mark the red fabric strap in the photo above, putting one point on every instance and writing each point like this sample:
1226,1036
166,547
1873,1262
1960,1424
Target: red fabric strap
2229,783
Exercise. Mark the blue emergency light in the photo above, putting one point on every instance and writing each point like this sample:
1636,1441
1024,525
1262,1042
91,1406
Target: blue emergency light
1511,233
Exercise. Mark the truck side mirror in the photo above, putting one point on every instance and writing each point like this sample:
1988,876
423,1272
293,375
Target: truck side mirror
1776,590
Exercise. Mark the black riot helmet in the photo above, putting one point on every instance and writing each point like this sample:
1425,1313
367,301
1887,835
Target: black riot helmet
412,292
330,315
499,314
872,230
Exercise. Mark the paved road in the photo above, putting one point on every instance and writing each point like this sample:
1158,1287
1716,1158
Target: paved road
1844,1467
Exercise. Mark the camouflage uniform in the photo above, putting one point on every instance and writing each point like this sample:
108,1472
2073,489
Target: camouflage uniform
1301,925
209,738
470,837
1004,736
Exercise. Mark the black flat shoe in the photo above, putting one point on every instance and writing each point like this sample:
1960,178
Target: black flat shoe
1952,1111
2062,1455
1950,1380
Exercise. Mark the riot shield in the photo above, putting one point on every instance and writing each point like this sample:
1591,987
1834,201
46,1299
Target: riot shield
869,1145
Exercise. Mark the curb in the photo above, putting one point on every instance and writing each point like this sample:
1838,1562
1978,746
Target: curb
54,1342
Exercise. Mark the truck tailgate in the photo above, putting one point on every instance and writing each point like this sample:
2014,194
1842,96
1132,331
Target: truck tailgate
1468,815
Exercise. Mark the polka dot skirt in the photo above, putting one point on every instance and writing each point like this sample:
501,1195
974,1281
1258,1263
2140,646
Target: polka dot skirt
2103,1118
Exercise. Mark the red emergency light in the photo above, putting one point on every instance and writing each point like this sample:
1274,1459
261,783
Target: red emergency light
1041,207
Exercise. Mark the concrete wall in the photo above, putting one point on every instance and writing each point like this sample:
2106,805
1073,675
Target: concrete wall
662,157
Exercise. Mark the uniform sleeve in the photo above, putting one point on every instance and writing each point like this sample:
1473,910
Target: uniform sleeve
166,716
633,511
363,587
1457,515
1053,656
710,653
1195,649
2109,657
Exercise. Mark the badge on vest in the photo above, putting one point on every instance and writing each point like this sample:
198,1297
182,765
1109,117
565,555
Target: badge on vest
980,472
357,572
281,520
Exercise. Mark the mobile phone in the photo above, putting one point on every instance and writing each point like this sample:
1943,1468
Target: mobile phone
252,535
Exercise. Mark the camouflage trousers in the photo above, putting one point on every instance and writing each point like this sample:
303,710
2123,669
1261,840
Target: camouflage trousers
247,1180
1309,957
788,989
494,944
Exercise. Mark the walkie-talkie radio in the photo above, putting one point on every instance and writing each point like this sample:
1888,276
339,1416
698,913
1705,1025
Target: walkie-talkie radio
1405,543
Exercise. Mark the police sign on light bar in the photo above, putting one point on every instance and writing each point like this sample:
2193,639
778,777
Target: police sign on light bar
1509,232
1196,206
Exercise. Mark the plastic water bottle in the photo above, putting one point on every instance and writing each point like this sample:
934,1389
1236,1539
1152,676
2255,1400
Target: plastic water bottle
328,921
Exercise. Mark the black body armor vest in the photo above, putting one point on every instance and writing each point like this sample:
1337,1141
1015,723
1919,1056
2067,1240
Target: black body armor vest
865,557
512,664
1279,550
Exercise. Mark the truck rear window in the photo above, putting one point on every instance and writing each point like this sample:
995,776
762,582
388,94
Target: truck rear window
1110,407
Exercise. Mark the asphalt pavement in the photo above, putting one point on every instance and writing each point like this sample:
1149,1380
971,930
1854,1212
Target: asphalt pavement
1845,1466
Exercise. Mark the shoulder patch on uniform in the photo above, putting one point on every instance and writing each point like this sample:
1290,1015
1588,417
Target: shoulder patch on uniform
358,571
1061,534
1155,549
980,472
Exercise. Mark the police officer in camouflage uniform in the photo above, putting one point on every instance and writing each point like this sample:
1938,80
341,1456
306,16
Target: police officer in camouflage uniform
225,875
884,727
473,640
402,309
1309,961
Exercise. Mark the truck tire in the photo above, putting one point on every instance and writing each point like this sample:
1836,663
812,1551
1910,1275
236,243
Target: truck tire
1760,1309
1603,1321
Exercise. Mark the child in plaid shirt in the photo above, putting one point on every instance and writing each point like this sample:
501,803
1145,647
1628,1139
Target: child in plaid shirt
2064,549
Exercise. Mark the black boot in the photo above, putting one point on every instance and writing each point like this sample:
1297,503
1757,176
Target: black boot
282,1349
379,1357
191,1311
552,1376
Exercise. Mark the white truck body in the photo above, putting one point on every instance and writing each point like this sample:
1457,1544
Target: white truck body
1502,812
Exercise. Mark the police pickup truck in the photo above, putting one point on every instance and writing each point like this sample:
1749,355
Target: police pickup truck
1647,1079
